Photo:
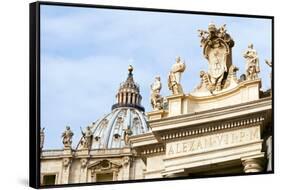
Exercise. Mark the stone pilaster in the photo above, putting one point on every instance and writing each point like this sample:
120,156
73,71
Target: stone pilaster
120,98
269,153
66,164
137,99
134,99
126,163
115,175
83,170
129,98
124,97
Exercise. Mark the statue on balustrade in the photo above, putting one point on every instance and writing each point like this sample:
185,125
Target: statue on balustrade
67,137
252,63
87,138
155,98
174,77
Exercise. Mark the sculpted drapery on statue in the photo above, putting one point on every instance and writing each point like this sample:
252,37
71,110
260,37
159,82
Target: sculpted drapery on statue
67,137
174,77
252,63
155,98
217,46
87,138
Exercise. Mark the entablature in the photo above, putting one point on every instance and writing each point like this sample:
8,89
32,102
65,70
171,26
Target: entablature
259,107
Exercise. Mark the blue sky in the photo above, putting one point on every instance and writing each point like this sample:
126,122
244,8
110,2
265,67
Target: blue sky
85,53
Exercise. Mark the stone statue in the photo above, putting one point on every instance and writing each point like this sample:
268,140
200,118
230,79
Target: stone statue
252,63
174,77
67,137
127,133
42,138
217,44
205,81
87,138
269,63
155,97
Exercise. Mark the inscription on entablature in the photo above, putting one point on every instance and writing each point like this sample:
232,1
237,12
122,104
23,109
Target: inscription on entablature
213,142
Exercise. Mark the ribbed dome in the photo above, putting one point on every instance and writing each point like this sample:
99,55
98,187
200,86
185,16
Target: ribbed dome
112,130
126,118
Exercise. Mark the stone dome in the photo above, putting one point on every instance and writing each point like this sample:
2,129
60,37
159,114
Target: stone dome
126,118
112,130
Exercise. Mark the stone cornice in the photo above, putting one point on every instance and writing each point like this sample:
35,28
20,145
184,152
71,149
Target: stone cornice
146,144
211,115
176,96
210,129
57,154
110,152
227,92
52,153
152,150
143,139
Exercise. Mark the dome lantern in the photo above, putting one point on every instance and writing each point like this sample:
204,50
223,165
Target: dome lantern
128,94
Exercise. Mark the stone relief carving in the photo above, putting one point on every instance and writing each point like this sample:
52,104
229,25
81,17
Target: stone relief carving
102,165
252,63
122,113
84,162
174,77
104,122
156,99
231,77
119,121
87,138
125,160
66,162
67,137
217,45
205,81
